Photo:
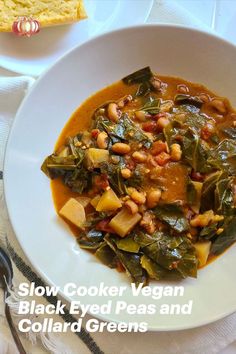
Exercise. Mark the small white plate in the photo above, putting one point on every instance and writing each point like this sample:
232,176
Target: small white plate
45,239
31,56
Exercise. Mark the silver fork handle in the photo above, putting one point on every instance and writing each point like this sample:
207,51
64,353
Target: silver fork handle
13,330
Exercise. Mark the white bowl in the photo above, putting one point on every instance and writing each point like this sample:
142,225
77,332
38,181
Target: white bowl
47,241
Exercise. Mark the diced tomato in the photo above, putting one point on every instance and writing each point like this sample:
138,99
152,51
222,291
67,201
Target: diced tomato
197,176
179,138
120,267
174,265
149,126
94,133
158,147
162,158
207,131
101,182
130,164
159,115
151,162
103,225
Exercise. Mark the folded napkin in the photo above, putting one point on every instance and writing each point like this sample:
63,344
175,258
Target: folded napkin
170,11
205,340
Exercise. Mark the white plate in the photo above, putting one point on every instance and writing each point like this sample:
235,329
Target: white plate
169,50
31,56
220,15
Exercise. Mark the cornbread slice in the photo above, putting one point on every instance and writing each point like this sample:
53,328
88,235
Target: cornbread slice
47,12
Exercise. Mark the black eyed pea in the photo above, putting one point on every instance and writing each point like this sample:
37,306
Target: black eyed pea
126,173
102,140
156,83
218,105
138,197
132,206
176,152
182,88
113,112
139,156
162,123
204,97
153,198
202,220
140,115
125,100
121,148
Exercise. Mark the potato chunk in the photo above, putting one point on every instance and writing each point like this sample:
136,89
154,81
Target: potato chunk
95,200
198,188
94,157
124,221
74,212
203,250
108,201
84,201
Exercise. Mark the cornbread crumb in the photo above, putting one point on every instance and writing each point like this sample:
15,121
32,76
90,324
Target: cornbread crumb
47,12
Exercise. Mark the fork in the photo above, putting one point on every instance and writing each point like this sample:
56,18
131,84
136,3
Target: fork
6,275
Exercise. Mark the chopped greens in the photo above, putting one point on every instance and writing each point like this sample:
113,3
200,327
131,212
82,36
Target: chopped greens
224,197
128,244
187,99
175,253
106,255
157,272
126,130
195,151
150,186
139,76
223,157
230,132
226,238
130,261
173,215
152,106
143,89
